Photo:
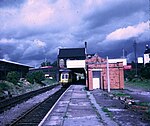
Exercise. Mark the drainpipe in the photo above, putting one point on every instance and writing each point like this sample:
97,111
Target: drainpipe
118,73
103,82
119,77
87,77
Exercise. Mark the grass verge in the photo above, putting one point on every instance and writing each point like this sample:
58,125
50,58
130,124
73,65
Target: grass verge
137,83
104,109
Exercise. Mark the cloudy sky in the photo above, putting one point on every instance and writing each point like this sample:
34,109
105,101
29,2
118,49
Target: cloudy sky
32,30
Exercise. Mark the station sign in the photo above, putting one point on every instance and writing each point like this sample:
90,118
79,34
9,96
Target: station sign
75,63
127,67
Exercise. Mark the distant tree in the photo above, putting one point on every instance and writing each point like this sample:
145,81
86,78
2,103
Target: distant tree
42,64
48,63
129,74
45,63
145,71
37,77
54,64
13,77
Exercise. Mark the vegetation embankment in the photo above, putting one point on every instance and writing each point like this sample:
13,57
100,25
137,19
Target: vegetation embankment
139,84
141,80
14,85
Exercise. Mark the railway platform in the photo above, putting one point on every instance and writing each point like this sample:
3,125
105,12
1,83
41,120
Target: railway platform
74,108
78,107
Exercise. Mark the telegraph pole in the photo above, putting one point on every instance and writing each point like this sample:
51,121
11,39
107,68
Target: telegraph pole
149,14
135,48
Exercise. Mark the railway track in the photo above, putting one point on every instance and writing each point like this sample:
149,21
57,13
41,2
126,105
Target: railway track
36,114
11,102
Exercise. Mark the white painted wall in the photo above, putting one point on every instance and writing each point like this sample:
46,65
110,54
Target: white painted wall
146,58
118,60
75,63
140,59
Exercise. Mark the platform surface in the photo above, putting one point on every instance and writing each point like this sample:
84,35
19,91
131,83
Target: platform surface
73,109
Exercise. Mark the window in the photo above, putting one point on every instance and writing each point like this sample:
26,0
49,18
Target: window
96,74
63,76
67,76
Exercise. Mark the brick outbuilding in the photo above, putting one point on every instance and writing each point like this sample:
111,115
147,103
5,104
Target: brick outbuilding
97,74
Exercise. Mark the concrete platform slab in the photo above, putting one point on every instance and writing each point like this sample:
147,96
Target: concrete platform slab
60,109
79,113
82,121
54,123
73,109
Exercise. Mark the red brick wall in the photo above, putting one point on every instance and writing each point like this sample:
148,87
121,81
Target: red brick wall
90,80
116,73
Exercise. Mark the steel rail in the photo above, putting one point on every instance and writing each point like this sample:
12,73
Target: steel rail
8,103
30,113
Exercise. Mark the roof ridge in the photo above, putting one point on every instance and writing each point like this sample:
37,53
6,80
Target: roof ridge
72,48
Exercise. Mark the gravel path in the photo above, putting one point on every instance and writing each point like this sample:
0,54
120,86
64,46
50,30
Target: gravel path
114,110
8,116
108,121
138,94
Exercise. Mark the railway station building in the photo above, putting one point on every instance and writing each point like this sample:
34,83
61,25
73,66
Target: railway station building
92,68
73,59
147,55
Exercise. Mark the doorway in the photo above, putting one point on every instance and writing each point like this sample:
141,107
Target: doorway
78,76
96,79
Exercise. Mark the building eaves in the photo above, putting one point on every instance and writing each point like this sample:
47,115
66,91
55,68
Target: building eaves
16,63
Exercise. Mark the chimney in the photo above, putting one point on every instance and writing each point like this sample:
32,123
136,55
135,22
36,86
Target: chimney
85,44
85,48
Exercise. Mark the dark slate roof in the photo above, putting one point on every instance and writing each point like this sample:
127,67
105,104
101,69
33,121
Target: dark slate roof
71,52
15,63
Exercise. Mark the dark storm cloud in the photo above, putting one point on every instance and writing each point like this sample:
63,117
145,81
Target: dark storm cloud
29,33
6,52
11,3
114,11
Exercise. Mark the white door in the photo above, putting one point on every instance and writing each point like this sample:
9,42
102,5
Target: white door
96,79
